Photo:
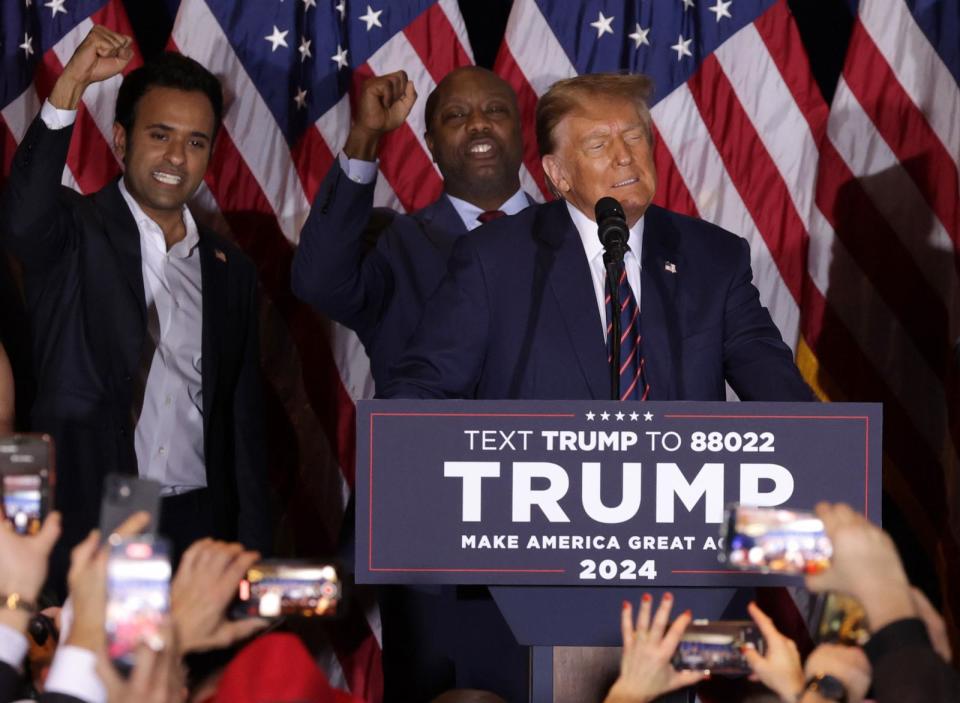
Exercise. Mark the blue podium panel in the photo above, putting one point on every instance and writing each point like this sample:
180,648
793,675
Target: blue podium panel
591,493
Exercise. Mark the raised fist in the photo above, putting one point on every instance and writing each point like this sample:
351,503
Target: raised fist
384,102
101,55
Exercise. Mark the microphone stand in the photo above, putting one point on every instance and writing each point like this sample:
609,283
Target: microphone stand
613,262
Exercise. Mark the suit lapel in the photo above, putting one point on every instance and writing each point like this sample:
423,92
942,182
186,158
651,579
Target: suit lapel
561,260
659,279
121,230
442,224
214,266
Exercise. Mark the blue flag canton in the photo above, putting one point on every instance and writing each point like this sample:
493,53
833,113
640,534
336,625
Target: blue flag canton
28,29
665,39
301,54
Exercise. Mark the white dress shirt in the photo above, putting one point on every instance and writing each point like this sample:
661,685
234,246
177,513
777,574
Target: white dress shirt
593,248
365,172
169,433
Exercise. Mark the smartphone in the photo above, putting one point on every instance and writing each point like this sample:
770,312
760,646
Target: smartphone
138,595
273,589
775,540
717,647
124,495
26,480
842,620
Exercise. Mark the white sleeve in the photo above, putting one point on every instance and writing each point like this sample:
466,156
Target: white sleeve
13,646
55,118
74,673
358,170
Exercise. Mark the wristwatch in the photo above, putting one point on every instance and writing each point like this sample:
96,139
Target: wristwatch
827,686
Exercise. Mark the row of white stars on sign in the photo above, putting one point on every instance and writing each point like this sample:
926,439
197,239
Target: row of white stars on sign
604,25
620,416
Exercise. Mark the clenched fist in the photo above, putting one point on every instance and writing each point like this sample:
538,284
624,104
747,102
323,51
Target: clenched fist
383,105
101,55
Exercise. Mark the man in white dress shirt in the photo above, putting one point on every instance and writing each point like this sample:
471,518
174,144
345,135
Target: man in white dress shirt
144,324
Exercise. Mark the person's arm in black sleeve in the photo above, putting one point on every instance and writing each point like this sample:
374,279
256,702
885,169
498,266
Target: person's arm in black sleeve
906,668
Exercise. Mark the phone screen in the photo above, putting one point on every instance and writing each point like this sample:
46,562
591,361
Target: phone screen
272,590
138,595
23,502
717,647
776,539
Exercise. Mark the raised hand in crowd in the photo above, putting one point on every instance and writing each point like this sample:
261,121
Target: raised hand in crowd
158,674
779,668
87,582
101,55
383,105
205,583
23,569
933,621
848,665
646,671
865,565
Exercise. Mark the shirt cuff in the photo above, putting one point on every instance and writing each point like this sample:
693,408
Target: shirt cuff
13,646
55,118
74,673
357,170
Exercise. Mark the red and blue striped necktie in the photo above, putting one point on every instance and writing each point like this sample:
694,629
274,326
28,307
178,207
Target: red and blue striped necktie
633,384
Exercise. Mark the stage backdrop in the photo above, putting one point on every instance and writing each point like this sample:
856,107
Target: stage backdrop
850,202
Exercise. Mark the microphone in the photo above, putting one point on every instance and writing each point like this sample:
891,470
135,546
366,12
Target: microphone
612,229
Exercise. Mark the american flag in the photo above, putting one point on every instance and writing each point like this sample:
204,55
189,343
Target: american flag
852,211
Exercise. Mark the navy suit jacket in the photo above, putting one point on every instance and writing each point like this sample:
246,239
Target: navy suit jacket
378,293
84,287
517,317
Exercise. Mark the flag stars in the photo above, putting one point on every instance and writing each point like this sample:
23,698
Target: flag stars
687,4
307,4
300,98
55,7
603,25
27,45
341,7
722,9
640,36
340,58
277,38
682,47
372,18
304,49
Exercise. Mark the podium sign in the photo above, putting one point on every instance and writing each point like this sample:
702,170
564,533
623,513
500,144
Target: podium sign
593,493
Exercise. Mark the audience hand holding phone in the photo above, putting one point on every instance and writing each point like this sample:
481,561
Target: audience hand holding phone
646,671
779,669
202,589
157,676
23,567
847,664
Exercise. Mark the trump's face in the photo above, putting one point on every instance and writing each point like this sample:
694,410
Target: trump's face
602,149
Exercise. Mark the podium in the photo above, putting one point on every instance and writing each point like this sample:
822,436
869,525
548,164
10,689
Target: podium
565,509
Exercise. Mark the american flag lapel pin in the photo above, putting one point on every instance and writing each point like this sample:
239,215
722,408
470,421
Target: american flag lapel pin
220,255
670,267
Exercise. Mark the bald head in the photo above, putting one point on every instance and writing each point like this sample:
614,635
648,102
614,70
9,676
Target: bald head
473,133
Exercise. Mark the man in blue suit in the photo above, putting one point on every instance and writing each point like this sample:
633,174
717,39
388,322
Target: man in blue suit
473,133
522,312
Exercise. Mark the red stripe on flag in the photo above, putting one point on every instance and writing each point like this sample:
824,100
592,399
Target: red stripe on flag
905,129
883,258
672,192
90,158
779,33
312,158
752,170
507,68
114,17
257,232
436,42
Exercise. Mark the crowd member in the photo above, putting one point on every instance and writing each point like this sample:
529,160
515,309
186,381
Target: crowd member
144,324
473,132
533,286
907,665
646,670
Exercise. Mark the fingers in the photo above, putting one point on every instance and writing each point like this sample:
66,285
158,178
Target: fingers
626,624
109,676
767,628
133,525
753,659
682,679
661,617
241,630
81,555
671,640
49,532
643,615
108,43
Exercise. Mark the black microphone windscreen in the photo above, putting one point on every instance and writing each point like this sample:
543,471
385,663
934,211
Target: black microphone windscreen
608,207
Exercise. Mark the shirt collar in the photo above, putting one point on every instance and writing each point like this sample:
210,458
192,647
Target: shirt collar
469,212
151,233
587,229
